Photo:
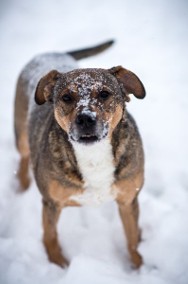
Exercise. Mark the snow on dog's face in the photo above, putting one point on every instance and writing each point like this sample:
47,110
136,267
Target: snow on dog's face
89,103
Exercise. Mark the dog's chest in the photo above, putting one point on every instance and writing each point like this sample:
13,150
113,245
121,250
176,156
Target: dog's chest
97,169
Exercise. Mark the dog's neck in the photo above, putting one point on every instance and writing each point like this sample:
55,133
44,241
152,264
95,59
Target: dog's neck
97,168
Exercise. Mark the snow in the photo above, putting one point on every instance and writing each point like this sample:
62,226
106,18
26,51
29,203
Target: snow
84,89
152,42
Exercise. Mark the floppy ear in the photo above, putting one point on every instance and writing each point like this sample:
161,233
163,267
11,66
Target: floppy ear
130,82
44,90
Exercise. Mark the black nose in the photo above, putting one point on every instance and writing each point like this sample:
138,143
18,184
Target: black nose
85,120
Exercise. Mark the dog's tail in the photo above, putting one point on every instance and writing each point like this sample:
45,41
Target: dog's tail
83,53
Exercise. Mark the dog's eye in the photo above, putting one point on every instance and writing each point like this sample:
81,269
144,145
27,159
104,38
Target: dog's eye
67,98
104,95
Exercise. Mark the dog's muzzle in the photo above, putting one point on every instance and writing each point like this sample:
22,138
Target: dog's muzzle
87,129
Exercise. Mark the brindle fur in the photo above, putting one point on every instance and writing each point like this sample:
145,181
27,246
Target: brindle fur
42,136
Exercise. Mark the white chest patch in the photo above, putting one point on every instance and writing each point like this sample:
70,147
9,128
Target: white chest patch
96,166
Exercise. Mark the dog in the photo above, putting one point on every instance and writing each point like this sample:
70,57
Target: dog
84,146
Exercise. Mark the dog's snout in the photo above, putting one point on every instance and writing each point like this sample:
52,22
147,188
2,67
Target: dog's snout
85,120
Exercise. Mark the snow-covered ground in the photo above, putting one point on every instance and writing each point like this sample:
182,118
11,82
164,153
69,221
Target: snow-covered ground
151,40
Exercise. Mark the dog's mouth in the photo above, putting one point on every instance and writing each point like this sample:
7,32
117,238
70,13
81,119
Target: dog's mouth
87,139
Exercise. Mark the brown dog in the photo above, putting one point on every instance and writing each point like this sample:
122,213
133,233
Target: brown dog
84,146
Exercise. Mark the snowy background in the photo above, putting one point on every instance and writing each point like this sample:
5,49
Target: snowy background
151,40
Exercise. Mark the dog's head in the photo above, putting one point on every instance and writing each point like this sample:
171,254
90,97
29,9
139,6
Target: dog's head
89,103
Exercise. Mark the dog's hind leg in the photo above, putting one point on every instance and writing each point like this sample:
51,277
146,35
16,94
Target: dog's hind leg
23,171
21,136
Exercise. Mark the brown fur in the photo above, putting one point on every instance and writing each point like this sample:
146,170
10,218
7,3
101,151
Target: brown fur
44,136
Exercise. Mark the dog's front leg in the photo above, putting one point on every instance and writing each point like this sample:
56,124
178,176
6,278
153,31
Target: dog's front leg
51,214
129,216
128,190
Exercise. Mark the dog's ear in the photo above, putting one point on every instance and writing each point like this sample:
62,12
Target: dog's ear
130,82
44,90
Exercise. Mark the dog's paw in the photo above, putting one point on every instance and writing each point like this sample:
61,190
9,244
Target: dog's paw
59,260
56,257
136,258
